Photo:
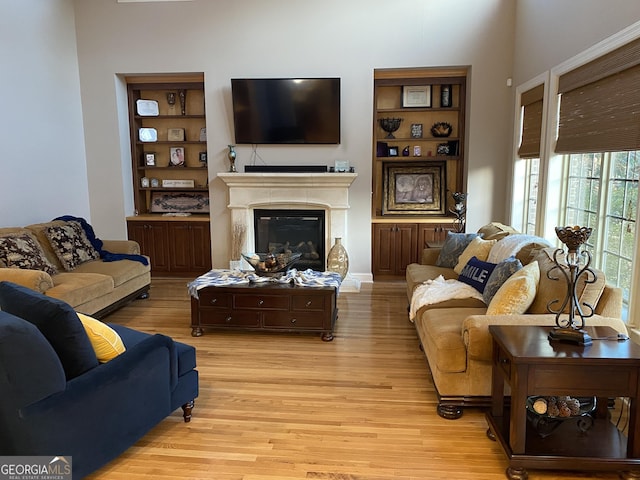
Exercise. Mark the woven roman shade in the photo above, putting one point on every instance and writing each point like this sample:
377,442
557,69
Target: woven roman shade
531,101
600,104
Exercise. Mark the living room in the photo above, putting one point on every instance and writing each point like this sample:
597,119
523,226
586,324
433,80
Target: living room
68,140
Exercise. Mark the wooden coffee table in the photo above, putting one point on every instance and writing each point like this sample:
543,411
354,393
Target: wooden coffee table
272,307
530,364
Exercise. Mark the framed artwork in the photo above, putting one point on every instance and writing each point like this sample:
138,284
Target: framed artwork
416,96
176,158
150,159
203,158
175,134
416,130
393,151
414,189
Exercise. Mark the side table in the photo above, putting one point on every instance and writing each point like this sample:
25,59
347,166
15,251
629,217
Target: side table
530,364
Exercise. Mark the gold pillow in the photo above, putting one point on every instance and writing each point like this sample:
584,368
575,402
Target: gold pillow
105,340
478,248
516,294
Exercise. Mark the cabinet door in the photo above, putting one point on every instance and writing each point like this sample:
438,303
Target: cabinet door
153,239
394,247
431,235
190,247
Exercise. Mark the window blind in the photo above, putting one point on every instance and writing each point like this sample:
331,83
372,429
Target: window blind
531,101
600,104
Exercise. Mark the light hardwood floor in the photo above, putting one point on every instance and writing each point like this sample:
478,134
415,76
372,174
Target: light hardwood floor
290,407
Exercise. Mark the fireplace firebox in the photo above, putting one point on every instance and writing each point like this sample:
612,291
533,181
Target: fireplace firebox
292,231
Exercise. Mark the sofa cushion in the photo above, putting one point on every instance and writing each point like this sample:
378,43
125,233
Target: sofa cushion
516,294
70,244
120,271
105,340
496,231
76,288
478,248
453,246
57,321
476,273
503,270
22,250
440,331
523,247
550,289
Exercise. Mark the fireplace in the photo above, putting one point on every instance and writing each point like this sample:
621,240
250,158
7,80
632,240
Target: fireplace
291,231
291,191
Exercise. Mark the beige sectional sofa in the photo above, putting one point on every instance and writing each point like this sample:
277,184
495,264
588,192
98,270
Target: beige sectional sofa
454,332
93,286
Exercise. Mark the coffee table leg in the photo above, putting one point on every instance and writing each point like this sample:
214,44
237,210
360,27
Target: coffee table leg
196,332
327,336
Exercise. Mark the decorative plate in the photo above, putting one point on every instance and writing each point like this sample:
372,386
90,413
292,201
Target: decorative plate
147,108
148,135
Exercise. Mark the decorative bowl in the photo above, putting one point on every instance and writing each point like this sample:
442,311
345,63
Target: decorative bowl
271,264
441,129
545,423
390,125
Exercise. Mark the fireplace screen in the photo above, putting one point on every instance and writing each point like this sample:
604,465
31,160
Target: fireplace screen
295,231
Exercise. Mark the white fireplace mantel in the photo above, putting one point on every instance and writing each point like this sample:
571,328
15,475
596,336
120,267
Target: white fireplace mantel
319,191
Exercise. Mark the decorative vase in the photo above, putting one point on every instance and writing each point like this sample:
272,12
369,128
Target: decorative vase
232,158
338,259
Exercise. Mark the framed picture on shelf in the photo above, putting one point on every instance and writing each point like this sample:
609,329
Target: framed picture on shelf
203,158
176,158
416,96
445,96
150,159
416,130
414,189
175,134
393,151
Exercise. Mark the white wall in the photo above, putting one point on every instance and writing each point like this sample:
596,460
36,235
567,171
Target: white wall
549,32
43,172
348,39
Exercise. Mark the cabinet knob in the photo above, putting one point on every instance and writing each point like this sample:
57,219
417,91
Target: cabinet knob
260,302
228,319
294,320
308,303
213,300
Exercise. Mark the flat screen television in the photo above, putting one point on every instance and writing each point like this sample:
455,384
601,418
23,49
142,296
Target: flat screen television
286,110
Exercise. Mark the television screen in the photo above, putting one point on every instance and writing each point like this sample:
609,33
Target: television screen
286,110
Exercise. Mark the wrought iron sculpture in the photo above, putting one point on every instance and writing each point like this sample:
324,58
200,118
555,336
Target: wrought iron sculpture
574,265
459,210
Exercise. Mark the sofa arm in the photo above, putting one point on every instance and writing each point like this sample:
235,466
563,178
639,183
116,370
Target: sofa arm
430,255
34,279
478,342
121,246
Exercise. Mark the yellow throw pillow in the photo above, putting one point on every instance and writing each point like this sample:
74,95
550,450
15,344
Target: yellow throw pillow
478,248
105,340
516,295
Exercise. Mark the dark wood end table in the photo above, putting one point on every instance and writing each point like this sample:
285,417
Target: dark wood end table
530,364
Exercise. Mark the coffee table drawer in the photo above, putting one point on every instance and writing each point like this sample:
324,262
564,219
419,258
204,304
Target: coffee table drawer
308,303
292,320
261,302
228,318
210,297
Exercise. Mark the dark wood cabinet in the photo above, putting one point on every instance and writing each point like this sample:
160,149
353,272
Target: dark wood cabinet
396,245
176,248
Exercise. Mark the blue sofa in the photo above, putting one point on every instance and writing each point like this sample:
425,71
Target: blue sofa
57,399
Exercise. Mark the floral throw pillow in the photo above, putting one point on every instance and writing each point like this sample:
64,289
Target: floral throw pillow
22,250
70,244
453,246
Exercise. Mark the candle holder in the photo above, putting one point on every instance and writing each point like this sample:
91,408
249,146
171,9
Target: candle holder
182,95
231,155
459,210
575,264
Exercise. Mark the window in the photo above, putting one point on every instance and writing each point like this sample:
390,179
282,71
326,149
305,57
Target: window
602,193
